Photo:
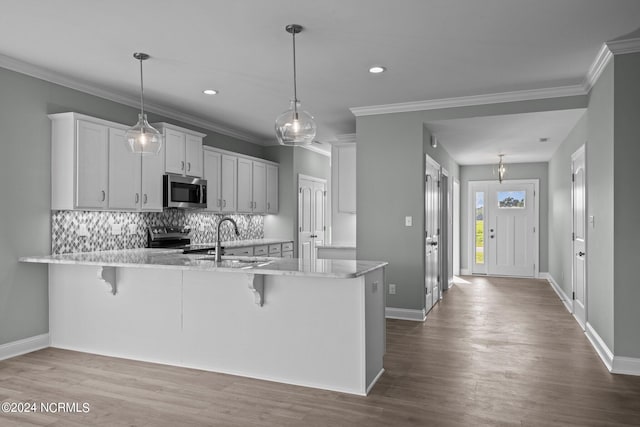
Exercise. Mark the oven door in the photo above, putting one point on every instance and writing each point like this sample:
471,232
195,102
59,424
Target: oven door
183,192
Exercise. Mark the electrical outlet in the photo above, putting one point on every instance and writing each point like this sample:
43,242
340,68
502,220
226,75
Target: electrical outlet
116,229
392,289
408,221
82,231
133,229
201,228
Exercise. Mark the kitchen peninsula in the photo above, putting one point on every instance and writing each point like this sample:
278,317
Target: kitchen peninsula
318,324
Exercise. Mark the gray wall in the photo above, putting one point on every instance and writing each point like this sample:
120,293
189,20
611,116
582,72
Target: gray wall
514,171
25,138
626,205
599,160
560,222
390,168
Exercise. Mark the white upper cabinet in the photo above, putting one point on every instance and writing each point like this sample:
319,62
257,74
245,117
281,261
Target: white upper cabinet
212,173
245,183
105,174
259,184
229,184
272,189
343,158
125,173
79,162
182,150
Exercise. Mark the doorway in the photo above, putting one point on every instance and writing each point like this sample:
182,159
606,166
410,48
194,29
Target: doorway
579,236
312,196
432,199
504,228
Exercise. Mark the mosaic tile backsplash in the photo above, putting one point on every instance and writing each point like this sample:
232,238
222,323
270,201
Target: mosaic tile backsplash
66,226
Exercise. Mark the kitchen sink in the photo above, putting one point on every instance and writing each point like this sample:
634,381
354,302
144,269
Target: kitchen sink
237,263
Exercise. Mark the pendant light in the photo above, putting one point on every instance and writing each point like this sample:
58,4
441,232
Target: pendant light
295,126
502,170
143,138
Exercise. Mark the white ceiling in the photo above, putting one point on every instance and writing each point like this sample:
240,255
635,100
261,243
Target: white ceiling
479,140
433,49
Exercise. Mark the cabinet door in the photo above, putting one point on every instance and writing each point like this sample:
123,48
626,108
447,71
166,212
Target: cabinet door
92,168
229,183
124,173
245,200
272,189
152,171
259,184
193,157
174,151
212,173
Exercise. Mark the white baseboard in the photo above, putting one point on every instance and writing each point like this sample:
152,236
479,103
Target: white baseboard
375,380
405,314
23,346
599,345
561,294
465,272
626,365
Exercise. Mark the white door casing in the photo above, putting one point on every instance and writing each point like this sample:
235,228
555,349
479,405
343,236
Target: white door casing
311,215
509,213
431,233
579,236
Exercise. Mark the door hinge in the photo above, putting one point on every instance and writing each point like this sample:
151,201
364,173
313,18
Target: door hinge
573,295
300,190
438,184
325,193
438,232
438,279
301,229
324,228
573,237
534,229
573,177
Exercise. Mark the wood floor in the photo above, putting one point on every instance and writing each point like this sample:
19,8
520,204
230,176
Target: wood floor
493,352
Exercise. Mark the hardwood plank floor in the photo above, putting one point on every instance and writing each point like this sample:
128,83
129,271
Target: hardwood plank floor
495,351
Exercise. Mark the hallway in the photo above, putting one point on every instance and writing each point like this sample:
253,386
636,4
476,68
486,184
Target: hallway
495,351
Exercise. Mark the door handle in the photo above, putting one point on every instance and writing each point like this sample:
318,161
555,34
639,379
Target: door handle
145,198
188,166
581,253
491,236
182,165
137,197
104,195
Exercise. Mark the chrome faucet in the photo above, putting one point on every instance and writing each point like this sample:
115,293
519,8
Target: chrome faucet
218,249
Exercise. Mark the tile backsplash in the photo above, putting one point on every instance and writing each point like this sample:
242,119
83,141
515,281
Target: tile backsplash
66,227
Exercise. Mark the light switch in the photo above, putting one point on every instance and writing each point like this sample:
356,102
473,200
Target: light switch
82,231
133,229
408,221
592,221
116,229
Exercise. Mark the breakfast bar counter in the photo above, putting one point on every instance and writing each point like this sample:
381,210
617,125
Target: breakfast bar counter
317,324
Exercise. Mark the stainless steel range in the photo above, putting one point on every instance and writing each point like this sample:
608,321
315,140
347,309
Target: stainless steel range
169,236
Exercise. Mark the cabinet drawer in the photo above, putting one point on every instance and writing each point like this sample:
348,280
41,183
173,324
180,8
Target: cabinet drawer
287,246
261,250
248,251
288,254
274,249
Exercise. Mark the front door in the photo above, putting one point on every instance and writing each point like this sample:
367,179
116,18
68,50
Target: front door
511,229
579,236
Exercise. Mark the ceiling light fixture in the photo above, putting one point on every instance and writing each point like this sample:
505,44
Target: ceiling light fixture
143,138
502,170
377,69
210,92
295,126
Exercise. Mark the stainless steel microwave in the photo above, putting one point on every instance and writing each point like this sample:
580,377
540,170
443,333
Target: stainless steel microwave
184,192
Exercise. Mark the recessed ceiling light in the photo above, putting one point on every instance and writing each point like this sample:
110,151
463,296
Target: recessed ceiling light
377,69
545,139
210,92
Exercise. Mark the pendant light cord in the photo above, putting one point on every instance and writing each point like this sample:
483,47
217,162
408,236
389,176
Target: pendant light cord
295,91
141,90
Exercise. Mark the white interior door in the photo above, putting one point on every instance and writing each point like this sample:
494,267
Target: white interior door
431,233
511,229
311,216
579,235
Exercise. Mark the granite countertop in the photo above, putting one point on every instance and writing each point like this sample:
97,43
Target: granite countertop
175,259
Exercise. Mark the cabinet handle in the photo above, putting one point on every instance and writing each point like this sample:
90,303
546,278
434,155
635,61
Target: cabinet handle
182,165
224,204
145,198
137,197
188,166
104,195
268,205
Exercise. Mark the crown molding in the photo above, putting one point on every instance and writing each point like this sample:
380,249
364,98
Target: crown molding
597,67
345,138
466,101
131,101
621,47
315,149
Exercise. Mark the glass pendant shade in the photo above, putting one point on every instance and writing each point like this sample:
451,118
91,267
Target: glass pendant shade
143,138
295,126
502,170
